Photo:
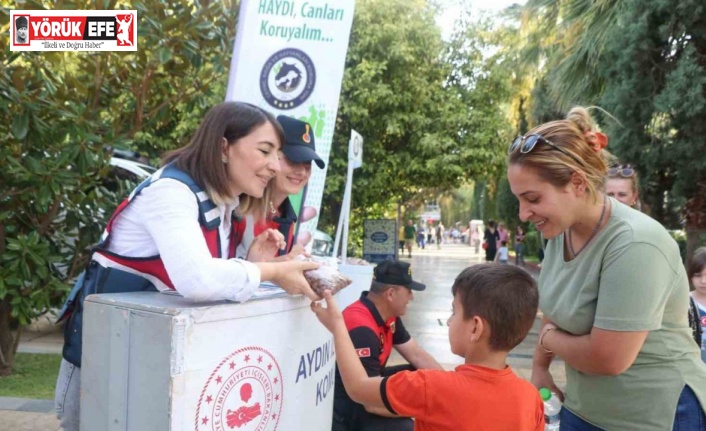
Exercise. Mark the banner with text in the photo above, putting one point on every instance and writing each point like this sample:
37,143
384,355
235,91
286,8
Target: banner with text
288,58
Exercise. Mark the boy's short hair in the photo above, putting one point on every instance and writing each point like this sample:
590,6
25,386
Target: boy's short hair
505,296
503,243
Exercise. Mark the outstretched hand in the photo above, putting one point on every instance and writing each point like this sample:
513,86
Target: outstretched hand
289,276
266,245
329,316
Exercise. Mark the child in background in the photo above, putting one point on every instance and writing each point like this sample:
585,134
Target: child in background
696,271
493,309
520,246
502,254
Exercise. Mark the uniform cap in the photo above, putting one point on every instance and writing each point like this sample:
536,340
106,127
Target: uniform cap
299,145
397,273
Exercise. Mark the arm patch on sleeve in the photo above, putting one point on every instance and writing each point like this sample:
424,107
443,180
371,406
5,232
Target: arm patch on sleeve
363,353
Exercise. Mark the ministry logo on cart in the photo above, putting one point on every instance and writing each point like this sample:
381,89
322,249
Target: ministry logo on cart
243,393
287,79
73,30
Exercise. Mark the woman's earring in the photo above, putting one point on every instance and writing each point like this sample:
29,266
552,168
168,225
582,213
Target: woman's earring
224,159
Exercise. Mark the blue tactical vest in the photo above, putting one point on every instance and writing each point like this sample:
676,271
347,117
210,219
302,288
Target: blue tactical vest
98,279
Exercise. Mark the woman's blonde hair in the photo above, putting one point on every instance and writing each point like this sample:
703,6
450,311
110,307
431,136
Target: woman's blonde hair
556,166
258,207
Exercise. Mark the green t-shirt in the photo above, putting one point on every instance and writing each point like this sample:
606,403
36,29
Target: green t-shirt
409,232
629,278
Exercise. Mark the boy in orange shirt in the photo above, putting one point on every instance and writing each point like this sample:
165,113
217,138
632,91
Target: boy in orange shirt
493,309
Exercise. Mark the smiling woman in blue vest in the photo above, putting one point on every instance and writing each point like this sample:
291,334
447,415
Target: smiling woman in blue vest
175,231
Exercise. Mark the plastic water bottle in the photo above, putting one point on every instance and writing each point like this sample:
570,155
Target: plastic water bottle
552,407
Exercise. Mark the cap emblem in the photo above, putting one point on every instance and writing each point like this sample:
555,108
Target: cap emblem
305,137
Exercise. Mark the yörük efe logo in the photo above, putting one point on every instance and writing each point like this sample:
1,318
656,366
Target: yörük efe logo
244,392
288,78
74,30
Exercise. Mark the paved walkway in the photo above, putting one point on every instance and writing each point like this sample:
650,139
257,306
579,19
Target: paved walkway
425,320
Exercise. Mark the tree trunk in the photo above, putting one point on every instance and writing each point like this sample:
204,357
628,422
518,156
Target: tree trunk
8,342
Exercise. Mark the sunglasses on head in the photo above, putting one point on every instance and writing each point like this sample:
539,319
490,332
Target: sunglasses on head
528,142
625,171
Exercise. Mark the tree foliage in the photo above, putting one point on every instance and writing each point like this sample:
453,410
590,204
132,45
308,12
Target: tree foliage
59,111
642,61
508,207
656,86
431,113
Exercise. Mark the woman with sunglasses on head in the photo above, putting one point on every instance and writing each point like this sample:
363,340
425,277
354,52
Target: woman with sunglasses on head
175,232
621,184
613,291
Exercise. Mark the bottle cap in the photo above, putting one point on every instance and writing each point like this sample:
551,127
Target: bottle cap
545,393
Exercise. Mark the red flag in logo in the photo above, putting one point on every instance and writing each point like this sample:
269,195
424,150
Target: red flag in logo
363,353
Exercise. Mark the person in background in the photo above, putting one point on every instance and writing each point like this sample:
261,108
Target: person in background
493,309
409,233
503,234
274,209
491,239
476,235
696,270
627,334
430,232
520,246
175,232
375,326
439,234
621,184
502,254
421,235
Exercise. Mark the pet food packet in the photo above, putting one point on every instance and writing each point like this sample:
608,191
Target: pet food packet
326,278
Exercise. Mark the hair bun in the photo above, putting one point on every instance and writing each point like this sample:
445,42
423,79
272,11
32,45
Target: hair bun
583,120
